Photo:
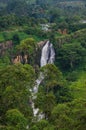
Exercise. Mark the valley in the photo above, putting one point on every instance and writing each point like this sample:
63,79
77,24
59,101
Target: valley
42,64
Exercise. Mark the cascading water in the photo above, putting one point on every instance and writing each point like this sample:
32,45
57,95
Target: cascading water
45,54
34,92
48,54
47,57
52,55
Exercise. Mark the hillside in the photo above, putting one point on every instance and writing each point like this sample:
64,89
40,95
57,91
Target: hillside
42,65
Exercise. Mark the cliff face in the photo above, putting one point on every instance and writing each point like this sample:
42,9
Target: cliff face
64,32
4,46
25,58
41,44
20,59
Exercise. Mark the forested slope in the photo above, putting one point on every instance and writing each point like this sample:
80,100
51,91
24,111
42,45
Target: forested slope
35,31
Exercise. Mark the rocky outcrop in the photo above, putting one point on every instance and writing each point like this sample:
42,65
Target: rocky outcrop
41,43
64,32
4,46
25,58
20,59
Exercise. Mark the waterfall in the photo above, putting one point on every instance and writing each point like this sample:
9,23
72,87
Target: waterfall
52,55
48,54
44,54
47,57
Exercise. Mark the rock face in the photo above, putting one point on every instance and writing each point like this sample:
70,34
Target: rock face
20,59
64,32
4,46
45,52
41,44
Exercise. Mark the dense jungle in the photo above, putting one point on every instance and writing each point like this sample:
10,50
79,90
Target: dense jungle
42,64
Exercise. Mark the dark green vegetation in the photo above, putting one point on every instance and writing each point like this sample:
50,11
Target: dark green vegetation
31,13
62,93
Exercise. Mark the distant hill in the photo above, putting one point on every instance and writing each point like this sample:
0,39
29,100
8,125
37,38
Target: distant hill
4,1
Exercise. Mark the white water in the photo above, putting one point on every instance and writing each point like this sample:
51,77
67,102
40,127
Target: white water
34,92
44,54
52,55
48,54
47,57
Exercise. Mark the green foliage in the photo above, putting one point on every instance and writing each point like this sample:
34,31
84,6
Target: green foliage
40,125
54,82
15,39
5,60
70,55
52,91
49,127
1,37
15,83
60,113
52,74
28,46
62,102
79,86
69,116
73,76
16,119
34,128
